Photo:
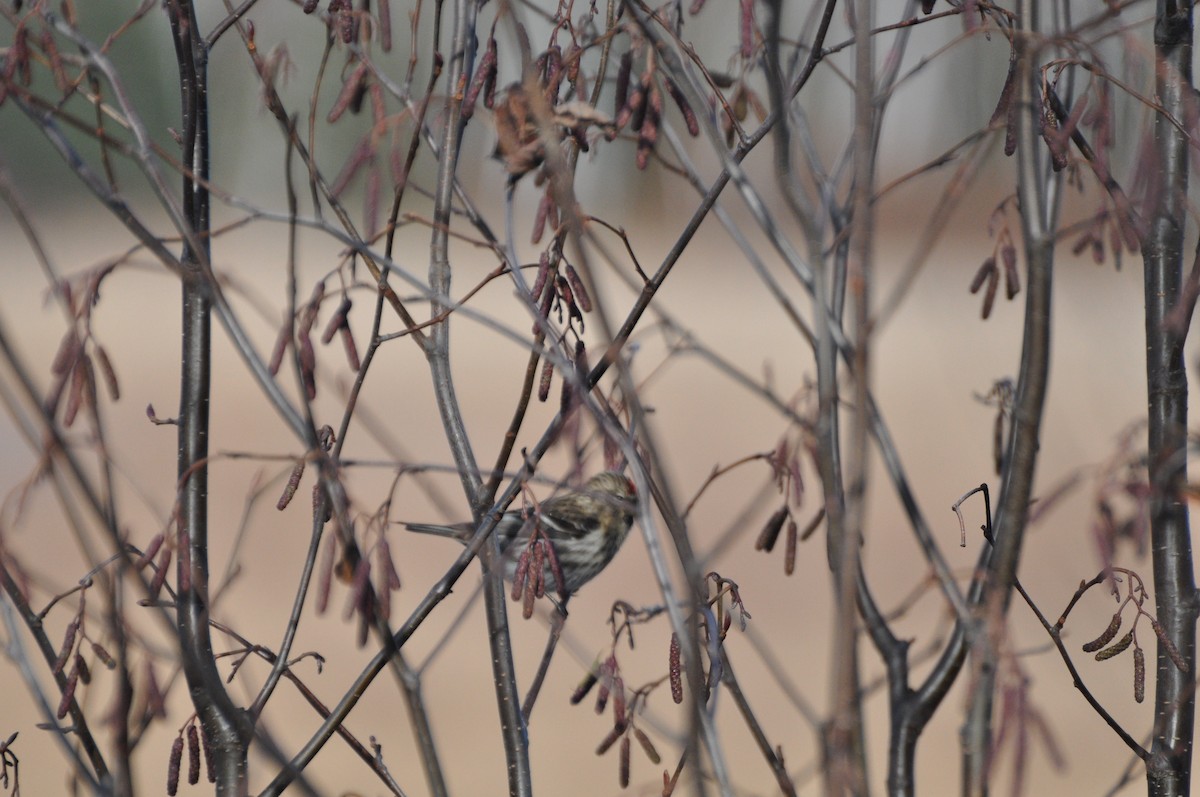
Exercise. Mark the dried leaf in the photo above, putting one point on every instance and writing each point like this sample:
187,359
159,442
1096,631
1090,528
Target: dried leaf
351,89
68,695
623,767
485,71
1117,648
789,551
746,26
581,294
106,371
1004,103
608,741
1168,646
308,365
624,70
520,575
581,690
1012,279
989,295
770,532
537,569
674,671
605,688
985,270
813,525
619,705
647,746
193,748
104,656
293,482
325,574
173,766
337,320
68,645
1139,675
85,673
351,350
685,108
530,597
1107,636
209,760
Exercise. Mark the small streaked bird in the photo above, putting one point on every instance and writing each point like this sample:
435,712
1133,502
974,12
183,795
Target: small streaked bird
585,526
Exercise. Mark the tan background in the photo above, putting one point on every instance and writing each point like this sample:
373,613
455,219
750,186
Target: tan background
930,360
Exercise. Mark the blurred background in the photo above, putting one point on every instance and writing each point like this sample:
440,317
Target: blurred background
934,358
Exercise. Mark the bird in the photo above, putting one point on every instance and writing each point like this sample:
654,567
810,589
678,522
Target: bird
586,528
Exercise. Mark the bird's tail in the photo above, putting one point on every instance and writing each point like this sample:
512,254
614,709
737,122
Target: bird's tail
454,532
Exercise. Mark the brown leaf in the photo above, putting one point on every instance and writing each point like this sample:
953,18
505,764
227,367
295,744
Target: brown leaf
580,290
1168,646
789,551
770,532
485,71
608,741
352,91
581,690
173,766
623,775
289,490
193,749
1107,636
1139,675
1117,648
674,671
647,746
106,371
